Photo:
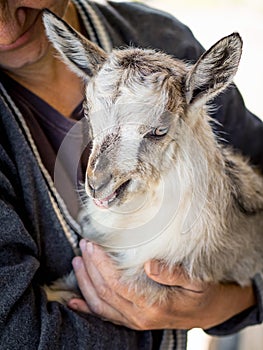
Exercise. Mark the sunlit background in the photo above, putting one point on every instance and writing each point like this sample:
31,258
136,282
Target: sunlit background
210,20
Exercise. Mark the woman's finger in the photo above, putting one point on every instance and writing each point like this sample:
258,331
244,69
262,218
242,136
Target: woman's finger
176,277
91,290
86,286
103,273
79,305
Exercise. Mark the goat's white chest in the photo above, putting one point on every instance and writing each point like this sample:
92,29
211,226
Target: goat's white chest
146,227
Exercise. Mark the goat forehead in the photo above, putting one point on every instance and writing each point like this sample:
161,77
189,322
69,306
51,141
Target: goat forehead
130,88
119,87
135,73
129,120
129,111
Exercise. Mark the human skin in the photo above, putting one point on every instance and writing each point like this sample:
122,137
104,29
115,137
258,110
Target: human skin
27,56
194,304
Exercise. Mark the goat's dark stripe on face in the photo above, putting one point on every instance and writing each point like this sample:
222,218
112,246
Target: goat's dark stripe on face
108,141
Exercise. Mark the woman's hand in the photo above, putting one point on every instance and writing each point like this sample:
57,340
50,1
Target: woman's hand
193,304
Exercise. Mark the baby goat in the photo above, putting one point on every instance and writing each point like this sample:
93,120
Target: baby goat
160,186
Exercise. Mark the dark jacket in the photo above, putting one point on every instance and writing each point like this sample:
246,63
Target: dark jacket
38,237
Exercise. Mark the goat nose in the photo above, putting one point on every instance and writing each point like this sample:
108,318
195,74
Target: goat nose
98,182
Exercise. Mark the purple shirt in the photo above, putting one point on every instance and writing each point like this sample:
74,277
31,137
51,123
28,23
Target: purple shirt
59,140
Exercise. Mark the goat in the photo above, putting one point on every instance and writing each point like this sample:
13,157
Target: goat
159,184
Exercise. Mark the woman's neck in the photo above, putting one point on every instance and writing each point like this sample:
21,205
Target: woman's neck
50,79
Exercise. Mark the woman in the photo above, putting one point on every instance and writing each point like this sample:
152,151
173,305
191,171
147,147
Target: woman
40,103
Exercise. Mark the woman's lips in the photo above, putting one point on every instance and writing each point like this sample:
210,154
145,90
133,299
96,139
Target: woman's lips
22,39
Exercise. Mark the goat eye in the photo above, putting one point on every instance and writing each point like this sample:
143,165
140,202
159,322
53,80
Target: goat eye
160,131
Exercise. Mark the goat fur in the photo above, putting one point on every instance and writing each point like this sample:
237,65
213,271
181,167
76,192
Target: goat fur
159,184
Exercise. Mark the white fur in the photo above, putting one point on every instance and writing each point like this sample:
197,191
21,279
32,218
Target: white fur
189,201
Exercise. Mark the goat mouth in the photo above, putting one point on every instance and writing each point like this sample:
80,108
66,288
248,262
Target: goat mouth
110,200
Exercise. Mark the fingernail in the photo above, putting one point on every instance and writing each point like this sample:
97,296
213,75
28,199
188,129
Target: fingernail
154,268
83,245
90,248
73,306
77,262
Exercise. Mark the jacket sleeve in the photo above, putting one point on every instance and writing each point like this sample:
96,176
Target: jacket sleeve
249,317
27,319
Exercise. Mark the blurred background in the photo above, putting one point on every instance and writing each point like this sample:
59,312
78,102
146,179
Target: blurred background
209,21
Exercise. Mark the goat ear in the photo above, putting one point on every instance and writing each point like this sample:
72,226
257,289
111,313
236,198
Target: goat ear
214,70
81,55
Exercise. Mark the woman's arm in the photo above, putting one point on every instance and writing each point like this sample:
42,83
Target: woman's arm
193,304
